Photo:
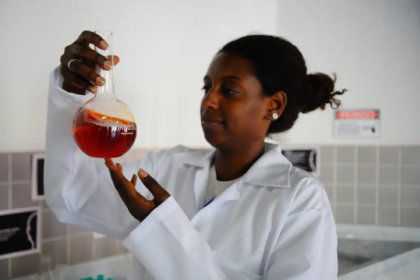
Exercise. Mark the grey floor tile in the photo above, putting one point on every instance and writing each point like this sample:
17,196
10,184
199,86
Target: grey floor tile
4,167
388,196
81,248
366,195
366,175
105,247
327,174
410,196
51,227
410,217
345,194
388,216
389,155
21,166
327,154
57,250
4,269
366,155
346,154
410,175
21,196
410,155
345,174
366,215
388,175
25,265
4,197
344,214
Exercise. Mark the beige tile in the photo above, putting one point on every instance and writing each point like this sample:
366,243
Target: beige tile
4,269
25,265
344,214
57,250
388,196
410,175
4,197
21,196
345,194
410,217
366,215
21,166
81,248
388,155
366,195
329,190
120,248
346,154
388,216
388,175
410,155
327,154
366,155
4,168
327,174
366,175
105,247
410,196
51,227
345,174
75,230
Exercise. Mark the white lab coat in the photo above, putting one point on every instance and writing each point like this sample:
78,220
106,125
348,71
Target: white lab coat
274,223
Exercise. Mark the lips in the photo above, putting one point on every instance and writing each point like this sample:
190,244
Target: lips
209,121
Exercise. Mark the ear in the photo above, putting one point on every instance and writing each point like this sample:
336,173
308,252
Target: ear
276,105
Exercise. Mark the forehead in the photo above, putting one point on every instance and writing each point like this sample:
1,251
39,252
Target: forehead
227,64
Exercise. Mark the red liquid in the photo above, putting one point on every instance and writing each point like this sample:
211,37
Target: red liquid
101,136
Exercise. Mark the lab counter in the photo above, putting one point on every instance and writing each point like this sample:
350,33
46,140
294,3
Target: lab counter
364,252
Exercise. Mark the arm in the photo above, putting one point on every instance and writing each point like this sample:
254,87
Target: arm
78,188
307,247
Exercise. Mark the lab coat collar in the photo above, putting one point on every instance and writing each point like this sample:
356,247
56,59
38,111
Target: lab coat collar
271,169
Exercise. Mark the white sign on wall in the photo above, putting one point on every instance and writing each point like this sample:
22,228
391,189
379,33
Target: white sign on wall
357,123
20,232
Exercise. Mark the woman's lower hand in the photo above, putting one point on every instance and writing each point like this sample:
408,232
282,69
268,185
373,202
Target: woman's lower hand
138,206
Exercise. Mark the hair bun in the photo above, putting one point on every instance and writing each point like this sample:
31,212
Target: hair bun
322,88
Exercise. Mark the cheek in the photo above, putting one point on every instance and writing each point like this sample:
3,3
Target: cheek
245,117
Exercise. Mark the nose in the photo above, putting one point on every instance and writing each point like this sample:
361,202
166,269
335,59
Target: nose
210,100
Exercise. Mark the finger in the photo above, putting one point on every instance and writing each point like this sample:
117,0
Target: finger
74,81
89,37
87,73
84,52
115,58
110,164
119,167
134,180
159,193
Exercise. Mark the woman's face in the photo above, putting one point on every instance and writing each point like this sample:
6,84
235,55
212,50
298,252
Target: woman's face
235,114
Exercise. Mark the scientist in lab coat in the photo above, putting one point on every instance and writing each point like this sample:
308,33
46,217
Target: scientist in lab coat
240,211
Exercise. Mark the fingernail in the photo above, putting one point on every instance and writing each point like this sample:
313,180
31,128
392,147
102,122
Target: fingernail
100,81
107,65
104,45
93,89
143,173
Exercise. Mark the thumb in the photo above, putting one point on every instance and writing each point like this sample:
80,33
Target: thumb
159,193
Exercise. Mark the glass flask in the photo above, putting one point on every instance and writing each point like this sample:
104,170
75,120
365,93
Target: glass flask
104,127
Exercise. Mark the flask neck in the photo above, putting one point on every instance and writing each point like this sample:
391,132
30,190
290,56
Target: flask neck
107,90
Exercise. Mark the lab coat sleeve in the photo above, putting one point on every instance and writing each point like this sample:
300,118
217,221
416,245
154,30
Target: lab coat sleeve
306,248
78,188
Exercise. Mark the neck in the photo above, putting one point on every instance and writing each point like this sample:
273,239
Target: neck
232,164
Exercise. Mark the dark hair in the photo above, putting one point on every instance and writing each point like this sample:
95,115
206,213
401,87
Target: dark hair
280,66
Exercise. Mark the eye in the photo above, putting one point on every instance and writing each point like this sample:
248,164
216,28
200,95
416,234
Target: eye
226,91
206,88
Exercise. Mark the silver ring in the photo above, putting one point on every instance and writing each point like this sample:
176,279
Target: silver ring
69,64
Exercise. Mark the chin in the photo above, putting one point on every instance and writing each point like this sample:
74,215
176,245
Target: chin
214,139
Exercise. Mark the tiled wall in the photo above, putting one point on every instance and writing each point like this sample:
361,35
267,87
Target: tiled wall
366,185
373,185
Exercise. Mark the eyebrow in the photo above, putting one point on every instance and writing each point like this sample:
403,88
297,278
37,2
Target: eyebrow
224,77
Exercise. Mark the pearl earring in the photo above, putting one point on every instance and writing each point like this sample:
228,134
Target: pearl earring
275,116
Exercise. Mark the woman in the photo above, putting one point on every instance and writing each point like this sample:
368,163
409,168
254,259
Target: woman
240,211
